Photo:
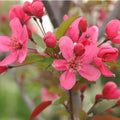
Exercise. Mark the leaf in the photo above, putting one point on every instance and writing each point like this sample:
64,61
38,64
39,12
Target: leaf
82,115
39,109
105,118
40,43
64,26
32,58
63,113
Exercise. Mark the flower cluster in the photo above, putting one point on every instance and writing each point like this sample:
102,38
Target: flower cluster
79,51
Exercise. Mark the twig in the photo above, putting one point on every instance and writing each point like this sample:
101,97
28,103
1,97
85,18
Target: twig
71,105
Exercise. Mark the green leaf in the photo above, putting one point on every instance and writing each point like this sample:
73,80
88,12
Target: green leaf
64,26
63,112
32,58
40,43
82,115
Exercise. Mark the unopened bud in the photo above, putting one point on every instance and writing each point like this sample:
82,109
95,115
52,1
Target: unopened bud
118,103
37,9
27,8
50,40
83,88
98,97
79,49
83,25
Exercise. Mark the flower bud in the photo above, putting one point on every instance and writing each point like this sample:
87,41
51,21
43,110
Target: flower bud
83,88
83,25
27,8
3,69
50,40
98,97
108,53
79,49
37,9
118,103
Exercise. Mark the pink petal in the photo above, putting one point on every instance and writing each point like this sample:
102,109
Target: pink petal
110,91
22,54
4,43
73,30
116,39
68,80
9,59
112,28
66,47
89,72
24,35
105,71
16,27
90,36
60,65
90,52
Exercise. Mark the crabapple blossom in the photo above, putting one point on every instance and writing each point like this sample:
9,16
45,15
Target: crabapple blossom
50,40
106,53
73,64
112,30
90,36
15,44
17,11
110,91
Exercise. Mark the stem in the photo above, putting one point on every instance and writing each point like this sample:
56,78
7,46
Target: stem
38,25
71,105
91,108
42,25
103,42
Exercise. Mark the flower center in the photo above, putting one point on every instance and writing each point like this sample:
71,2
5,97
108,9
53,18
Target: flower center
14,44
74,64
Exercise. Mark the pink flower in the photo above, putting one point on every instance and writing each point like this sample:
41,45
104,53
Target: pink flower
73,64
110,91
106,53
50,40
90,36
16,44
46,95
17,11
112,30
3,69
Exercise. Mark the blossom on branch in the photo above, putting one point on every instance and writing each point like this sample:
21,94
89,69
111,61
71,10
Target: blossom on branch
16,44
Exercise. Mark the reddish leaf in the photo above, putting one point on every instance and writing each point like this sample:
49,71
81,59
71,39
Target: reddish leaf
39,109
105,118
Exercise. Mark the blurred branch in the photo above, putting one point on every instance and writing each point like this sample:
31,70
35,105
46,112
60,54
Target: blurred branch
56,11
112,15
24,95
